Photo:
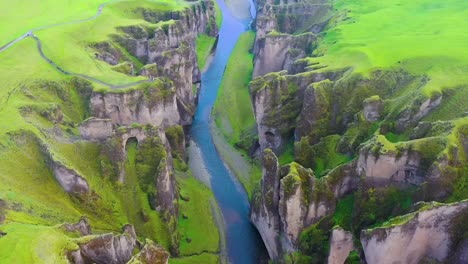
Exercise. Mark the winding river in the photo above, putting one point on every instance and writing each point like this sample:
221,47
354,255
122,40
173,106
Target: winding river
243,243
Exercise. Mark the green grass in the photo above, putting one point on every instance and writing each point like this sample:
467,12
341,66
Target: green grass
204,44
219,15
60,41
68,44
287,156
135,201
200,226
421,36
28,182
326,156
30,243
394,138
233,110
344,212
204,258
21,16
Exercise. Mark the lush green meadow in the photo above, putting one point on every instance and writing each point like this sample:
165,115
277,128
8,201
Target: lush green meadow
18,17
233,110
421,36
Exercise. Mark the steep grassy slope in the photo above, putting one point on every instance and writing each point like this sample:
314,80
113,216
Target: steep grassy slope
26,241
422,36
205,45
233,112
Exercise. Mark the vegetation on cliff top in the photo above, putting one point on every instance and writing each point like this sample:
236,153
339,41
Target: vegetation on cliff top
421,36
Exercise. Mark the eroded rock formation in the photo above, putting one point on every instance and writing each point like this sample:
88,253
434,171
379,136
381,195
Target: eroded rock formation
96,128
70,180
265,213
341,244
290,199
431,233
83,227
150,254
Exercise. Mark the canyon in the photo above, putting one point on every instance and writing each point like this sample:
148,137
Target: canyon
235,132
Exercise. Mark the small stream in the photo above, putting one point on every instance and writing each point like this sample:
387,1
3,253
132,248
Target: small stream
244,245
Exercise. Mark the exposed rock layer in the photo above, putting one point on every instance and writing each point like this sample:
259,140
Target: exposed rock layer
427,233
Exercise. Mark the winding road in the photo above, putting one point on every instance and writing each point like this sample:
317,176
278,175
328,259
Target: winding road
60,69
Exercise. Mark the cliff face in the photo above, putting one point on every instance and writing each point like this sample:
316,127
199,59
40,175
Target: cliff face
113,249
286,104
291,199
430,233
391,167
152,106
341,244
278,51
285,32
168,55
303,201
265,211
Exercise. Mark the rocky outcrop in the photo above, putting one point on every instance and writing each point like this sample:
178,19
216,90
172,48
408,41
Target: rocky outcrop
460,255
429,233
170,47
373,108
289,200
291,17
105,51
341,244
303,201
264,213
166,195
276,105
277,52
106,249
278,99
157,106
418,110
70,180
3,206
343,179
391,167
96,129
285,32
150,254
83,227
155,151
168,52
316,110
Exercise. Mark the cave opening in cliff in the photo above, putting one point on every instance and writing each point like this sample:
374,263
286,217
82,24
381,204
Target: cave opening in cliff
130,143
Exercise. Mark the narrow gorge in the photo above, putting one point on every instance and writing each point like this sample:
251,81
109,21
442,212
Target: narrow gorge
234,131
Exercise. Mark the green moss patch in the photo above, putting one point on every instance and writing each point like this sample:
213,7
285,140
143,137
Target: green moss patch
204,45
197,226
